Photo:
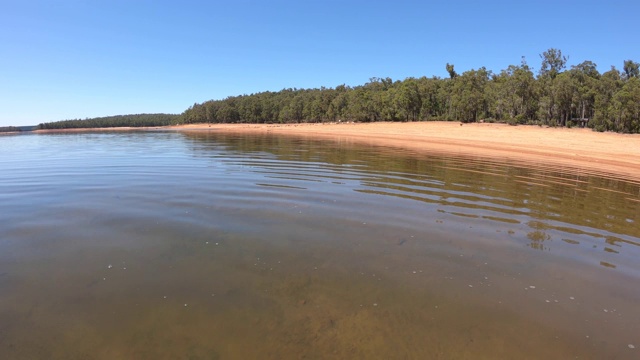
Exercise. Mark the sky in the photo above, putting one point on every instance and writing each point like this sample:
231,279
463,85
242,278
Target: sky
76,59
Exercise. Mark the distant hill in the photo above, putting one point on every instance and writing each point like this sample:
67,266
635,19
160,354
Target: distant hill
134,120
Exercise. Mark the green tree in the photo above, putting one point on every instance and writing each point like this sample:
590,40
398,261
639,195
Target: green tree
626,107
431,106
452,73
631,69
513,93
610,83
586,77
468,97
562,91
553,62
409,100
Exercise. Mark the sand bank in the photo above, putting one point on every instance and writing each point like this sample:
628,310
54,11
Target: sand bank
580,148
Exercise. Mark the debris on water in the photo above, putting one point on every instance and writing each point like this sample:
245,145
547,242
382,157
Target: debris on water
375,304
547,301
572,298
631,346
216,243
185,304
470,285
414,271
109,266
207,243
531,287
605,310
165,296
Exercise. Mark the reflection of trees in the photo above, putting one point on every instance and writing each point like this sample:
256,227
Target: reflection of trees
606,264
550,200
538,238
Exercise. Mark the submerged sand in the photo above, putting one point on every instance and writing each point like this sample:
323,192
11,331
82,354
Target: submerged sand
607,153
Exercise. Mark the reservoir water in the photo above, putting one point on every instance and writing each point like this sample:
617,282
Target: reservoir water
201,245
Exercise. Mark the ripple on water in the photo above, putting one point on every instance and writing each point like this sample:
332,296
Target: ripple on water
346,251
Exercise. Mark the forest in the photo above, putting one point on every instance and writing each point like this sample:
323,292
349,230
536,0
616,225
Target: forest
137,120
9,129
554,96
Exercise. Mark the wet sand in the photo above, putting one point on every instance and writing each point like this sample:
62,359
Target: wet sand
582,148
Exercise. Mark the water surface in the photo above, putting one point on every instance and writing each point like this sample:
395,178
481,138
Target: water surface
222,246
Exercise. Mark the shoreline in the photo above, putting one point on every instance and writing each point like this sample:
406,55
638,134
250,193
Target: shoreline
581,148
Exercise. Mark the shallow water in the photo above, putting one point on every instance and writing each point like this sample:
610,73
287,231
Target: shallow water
217,246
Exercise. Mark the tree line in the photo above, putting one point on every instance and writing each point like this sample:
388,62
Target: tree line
554,96
9,129
136,120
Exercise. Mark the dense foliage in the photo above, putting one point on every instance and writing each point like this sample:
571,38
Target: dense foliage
9,129
556,96
137,120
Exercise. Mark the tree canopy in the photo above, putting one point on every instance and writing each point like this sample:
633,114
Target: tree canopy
137,120
556,96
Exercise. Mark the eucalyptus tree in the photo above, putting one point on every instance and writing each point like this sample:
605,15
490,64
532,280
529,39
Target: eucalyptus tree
563,88
553,62
626,107
512,94
339,103
586,78
431,106
452,73
631,69
468,96
409,99
610,83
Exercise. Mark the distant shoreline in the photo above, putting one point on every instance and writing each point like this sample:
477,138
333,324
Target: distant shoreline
607,152
102,129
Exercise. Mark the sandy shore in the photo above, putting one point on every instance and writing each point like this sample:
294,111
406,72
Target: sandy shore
582,148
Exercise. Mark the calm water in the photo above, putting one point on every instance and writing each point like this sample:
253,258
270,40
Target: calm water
161,245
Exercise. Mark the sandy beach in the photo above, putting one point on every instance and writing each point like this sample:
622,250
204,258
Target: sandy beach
580,148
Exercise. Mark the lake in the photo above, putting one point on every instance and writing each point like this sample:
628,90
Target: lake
205,245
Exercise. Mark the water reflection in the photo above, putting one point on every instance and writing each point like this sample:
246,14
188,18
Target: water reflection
205,245
545,202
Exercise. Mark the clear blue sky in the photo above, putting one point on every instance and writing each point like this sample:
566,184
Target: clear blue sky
62,59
